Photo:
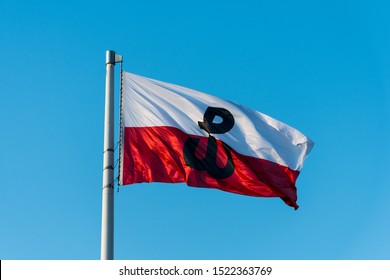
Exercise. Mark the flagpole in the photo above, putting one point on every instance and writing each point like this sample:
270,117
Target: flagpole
107,233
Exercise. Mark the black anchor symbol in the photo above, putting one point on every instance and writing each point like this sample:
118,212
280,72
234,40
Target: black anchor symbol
209,163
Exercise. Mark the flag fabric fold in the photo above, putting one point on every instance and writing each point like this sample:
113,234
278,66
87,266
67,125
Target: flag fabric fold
174,134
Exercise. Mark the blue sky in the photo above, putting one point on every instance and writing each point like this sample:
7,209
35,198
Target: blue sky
322,67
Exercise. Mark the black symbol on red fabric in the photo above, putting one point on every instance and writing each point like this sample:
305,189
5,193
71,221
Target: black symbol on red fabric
209,161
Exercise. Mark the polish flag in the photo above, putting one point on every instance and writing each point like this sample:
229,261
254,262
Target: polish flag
174,134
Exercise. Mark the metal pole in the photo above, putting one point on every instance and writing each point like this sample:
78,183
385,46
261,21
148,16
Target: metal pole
107,234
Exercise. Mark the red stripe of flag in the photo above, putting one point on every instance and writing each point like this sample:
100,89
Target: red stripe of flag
156,154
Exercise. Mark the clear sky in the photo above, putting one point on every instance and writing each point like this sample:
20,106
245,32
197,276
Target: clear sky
322,67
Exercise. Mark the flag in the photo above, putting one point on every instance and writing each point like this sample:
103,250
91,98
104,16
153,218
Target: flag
174,134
